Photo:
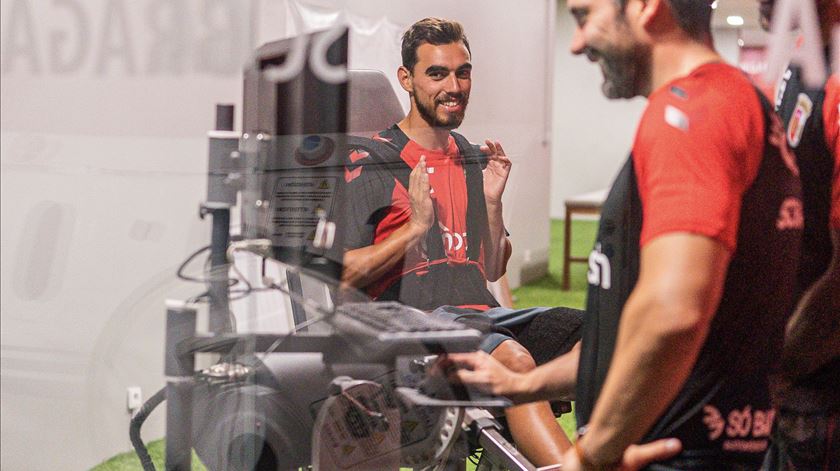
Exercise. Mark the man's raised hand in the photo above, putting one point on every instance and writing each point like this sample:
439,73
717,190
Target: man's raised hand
419,194
497,171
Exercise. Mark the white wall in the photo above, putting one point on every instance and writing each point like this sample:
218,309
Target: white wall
105,104
592,136
511,94
726,43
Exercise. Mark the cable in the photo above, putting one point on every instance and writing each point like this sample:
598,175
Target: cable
183,266
280,340
325,313
199,298
261,247
137,422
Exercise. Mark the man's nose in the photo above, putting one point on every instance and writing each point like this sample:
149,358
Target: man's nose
578,44
452,85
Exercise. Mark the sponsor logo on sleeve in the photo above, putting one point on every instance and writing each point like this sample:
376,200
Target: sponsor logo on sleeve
676,118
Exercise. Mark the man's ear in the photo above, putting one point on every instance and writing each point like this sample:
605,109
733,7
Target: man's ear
647,14
404,76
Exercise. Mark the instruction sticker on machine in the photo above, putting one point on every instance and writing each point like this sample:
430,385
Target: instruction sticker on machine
298,203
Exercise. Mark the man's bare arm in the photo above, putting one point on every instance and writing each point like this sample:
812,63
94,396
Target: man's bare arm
813,332
365,265
553,380
663,326
556,379
497,248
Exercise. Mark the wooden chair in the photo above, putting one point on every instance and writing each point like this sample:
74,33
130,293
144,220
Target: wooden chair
586,203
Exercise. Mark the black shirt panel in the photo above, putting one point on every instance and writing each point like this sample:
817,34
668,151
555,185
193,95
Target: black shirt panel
801,110
722,413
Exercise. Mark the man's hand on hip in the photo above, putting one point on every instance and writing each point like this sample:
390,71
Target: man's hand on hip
634,458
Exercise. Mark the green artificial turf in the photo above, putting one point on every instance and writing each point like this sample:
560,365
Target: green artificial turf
543,292
547,290
130,462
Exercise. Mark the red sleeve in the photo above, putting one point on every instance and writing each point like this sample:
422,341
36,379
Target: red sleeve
831,120
697,150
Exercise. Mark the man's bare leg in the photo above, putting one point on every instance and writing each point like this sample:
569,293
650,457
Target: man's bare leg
535,430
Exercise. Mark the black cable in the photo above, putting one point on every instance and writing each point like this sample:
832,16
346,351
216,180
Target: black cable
192,256
137,422
183,266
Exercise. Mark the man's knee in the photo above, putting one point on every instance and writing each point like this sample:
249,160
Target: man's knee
514,356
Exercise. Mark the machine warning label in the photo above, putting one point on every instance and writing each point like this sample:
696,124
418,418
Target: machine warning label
298,203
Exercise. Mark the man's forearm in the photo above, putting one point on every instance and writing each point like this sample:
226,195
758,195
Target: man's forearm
497,247
650,364
663,326
553,380
365,265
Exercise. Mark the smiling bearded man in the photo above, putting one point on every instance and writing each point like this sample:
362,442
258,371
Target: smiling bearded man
425,220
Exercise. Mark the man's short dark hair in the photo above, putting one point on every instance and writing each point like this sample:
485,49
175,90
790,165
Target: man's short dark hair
435,31
693,16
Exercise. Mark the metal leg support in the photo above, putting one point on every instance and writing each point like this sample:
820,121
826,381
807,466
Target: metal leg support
180,325
179,425
499,454
219,321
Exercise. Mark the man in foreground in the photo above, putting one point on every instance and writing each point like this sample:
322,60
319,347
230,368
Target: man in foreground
694,266
805,436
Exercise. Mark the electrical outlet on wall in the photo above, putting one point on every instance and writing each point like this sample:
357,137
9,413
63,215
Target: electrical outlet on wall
134,398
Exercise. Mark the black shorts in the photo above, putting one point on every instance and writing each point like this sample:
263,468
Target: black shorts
546,332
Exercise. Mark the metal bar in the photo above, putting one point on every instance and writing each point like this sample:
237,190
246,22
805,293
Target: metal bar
502,453
295,286
180,325
179,425
498,454
224,343
567,247
219,280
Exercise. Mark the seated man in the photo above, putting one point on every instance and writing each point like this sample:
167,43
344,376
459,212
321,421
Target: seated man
425,212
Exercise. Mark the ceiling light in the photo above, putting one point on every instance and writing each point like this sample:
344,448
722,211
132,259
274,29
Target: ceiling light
735,20
714,5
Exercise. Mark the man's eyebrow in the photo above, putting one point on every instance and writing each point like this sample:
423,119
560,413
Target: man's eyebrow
441,69
436,69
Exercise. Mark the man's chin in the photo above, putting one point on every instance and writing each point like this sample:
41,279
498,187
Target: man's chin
613,91
449,122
